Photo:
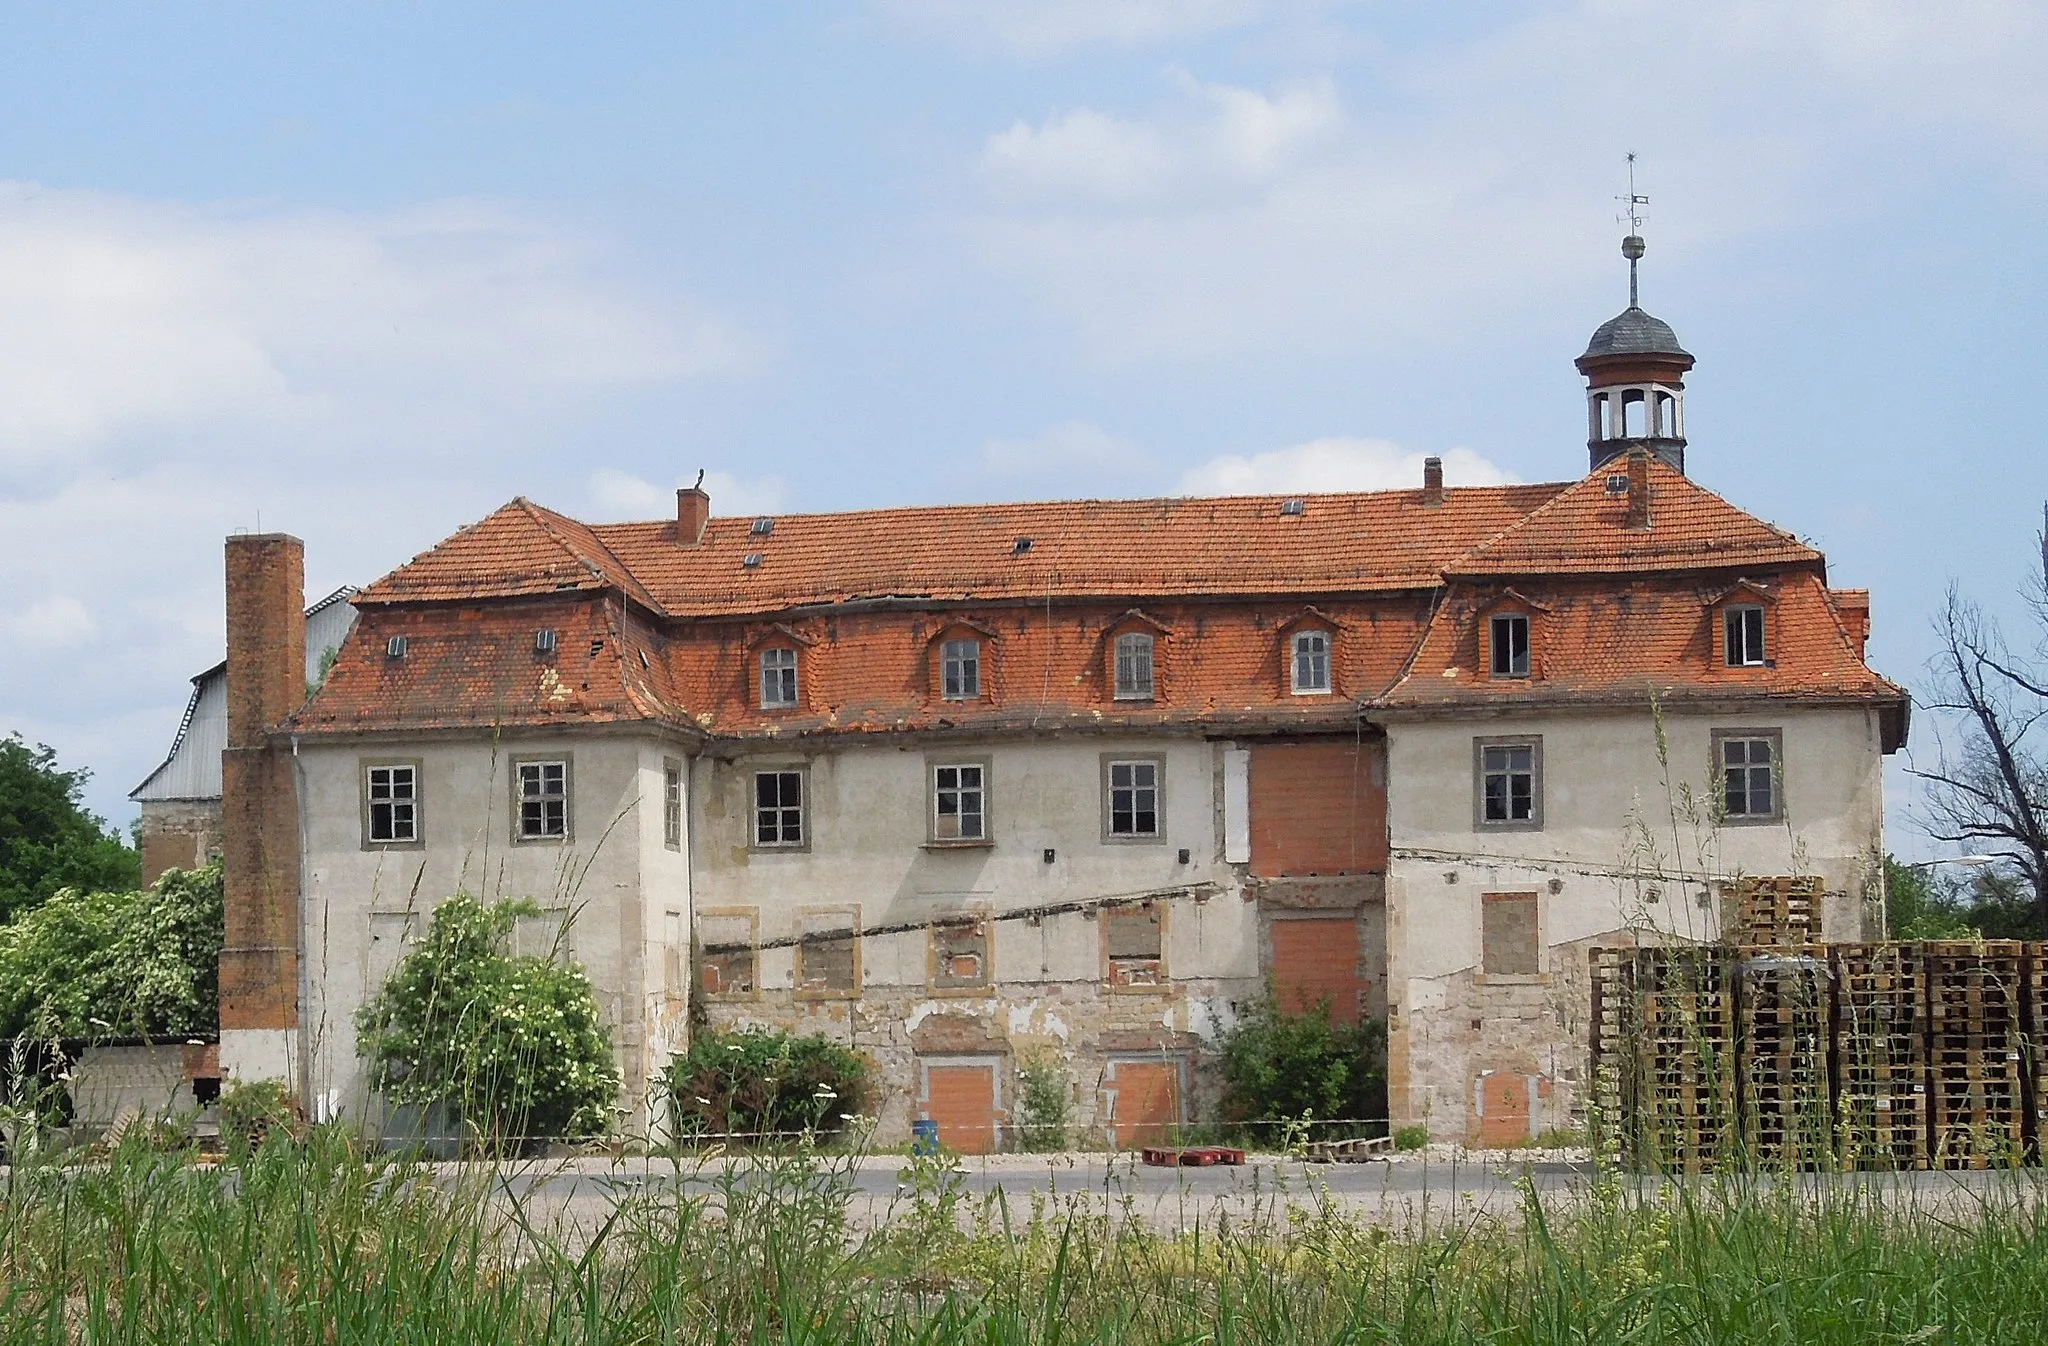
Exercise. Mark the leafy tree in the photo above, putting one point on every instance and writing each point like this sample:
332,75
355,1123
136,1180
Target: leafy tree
116,964
1920,904
48,840
515,1045
761,1081
1285,1066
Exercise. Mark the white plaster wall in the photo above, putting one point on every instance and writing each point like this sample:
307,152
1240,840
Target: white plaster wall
606,883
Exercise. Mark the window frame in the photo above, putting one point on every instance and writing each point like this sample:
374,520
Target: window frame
972,660
1494,623
797,980
1480,744
673,785
934,763
519,800
755,771
794,669
1106,915
364,766
1776,739
979,917
1730,614
1294,654
1150,692
1109,761
699,951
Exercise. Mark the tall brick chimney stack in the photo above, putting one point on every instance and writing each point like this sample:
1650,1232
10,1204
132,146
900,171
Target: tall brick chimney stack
266,681
1432,482
1638,487
693,511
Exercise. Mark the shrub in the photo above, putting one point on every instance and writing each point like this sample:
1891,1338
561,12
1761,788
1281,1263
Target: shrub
116,964
1411,1137
513,1046
1047,1100
759,1081
1280,1067
251,1111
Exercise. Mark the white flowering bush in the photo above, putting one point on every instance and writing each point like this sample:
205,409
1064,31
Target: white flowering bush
513,1046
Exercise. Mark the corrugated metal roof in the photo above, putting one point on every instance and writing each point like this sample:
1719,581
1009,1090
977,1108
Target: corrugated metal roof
191,770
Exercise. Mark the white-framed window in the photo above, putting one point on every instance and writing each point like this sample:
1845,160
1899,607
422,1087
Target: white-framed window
1134,666
541,795
779,808
1510,640
959,801
960,669
672,804
1133,799
391,804
778,678
1510,793
1311,663
1749,762
1742,629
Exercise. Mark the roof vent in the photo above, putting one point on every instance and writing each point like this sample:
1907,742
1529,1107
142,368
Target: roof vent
752,560
1023,544
395,647
762,528
1617,483
1294,507
544,640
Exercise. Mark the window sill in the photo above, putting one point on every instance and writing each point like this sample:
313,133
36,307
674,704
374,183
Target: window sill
1116,839
1750,819
1511,979
965,844
1485,827
825,995
1310,691
960,992
394,845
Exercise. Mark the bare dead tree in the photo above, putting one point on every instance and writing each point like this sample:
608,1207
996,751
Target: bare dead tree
1987,787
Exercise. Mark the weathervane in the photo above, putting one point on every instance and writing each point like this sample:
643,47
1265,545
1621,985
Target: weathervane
1632,246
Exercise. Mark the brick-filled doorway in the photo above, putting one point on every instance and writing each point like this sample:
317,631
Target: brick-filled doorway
1143,1097
962,1094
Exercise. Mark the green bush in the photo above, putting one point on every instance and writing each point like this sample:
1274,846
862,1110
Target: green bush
762,1082
1411,1137
116,964
513,1046
252,1111
1046,1100
1280,1068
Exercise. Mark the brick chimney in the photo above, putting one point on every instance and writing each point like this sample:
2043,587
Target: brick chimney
1432,482
1638,487
693,511
266,681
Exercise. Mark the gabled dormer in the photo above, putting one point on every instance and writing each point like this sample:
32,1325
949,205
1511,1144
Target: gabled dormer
1134,662
780,668
1308,651
1510,633
1742,627
960,663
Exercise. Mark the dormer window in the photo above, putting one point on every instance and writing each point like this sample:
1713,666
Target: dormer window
1310,675
1508,635
960,669
1134,666
778,678
1742,627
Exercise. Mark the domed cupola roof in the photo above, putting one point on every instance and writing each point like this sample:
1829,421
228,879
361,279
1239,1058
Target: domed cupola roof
1633,332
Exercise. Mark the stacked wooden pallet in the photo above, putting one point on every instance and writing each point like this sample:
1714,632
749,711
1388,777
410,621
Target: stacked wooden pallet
1776,913
1975,1034
1784,1009
1685,1034
1881,1055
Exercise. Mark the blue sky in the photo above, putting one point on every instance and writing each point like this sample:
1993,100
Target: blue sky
364,272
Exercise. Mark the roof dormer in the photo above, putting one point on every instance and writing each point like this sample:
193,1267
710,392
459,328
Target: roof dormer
1510,632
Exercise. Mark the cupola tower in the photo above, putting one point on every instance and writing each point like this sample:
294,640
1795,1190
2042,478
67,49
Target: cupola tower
1635,375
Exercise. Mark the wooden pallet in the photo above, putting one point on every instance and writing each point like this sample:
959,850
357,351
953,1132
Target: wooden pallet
1775,912
1880,1056
1192,1156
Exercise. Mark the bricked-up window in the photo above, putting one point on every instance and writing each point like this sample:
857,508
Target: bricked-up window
728,941
672,804
1509,633
1134,666
960,954
779,808
960,802
1750,763
1311,674
1134,799
778,678
541,792
1509,784
1133,933
1742,627
391,804
1508,940
960,669
828,953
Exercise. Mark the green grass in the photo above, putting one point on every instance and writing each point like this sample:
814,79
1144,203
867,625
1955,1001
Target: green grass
316,1243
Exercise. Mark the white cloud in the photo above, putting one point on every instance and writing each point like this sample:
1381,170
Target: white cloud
1038,27
1340,463
59,622
621,495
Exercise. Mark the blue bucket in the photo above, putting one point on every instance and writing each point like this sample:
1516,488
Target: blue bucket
924,1137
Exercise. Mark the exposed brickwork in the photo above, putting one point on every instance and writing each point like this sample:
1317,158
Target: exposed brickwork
1318,807
1317,958
178,834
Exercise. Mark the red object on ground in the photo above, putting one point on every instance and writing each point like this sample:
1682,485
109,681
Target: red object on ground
1197,1156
